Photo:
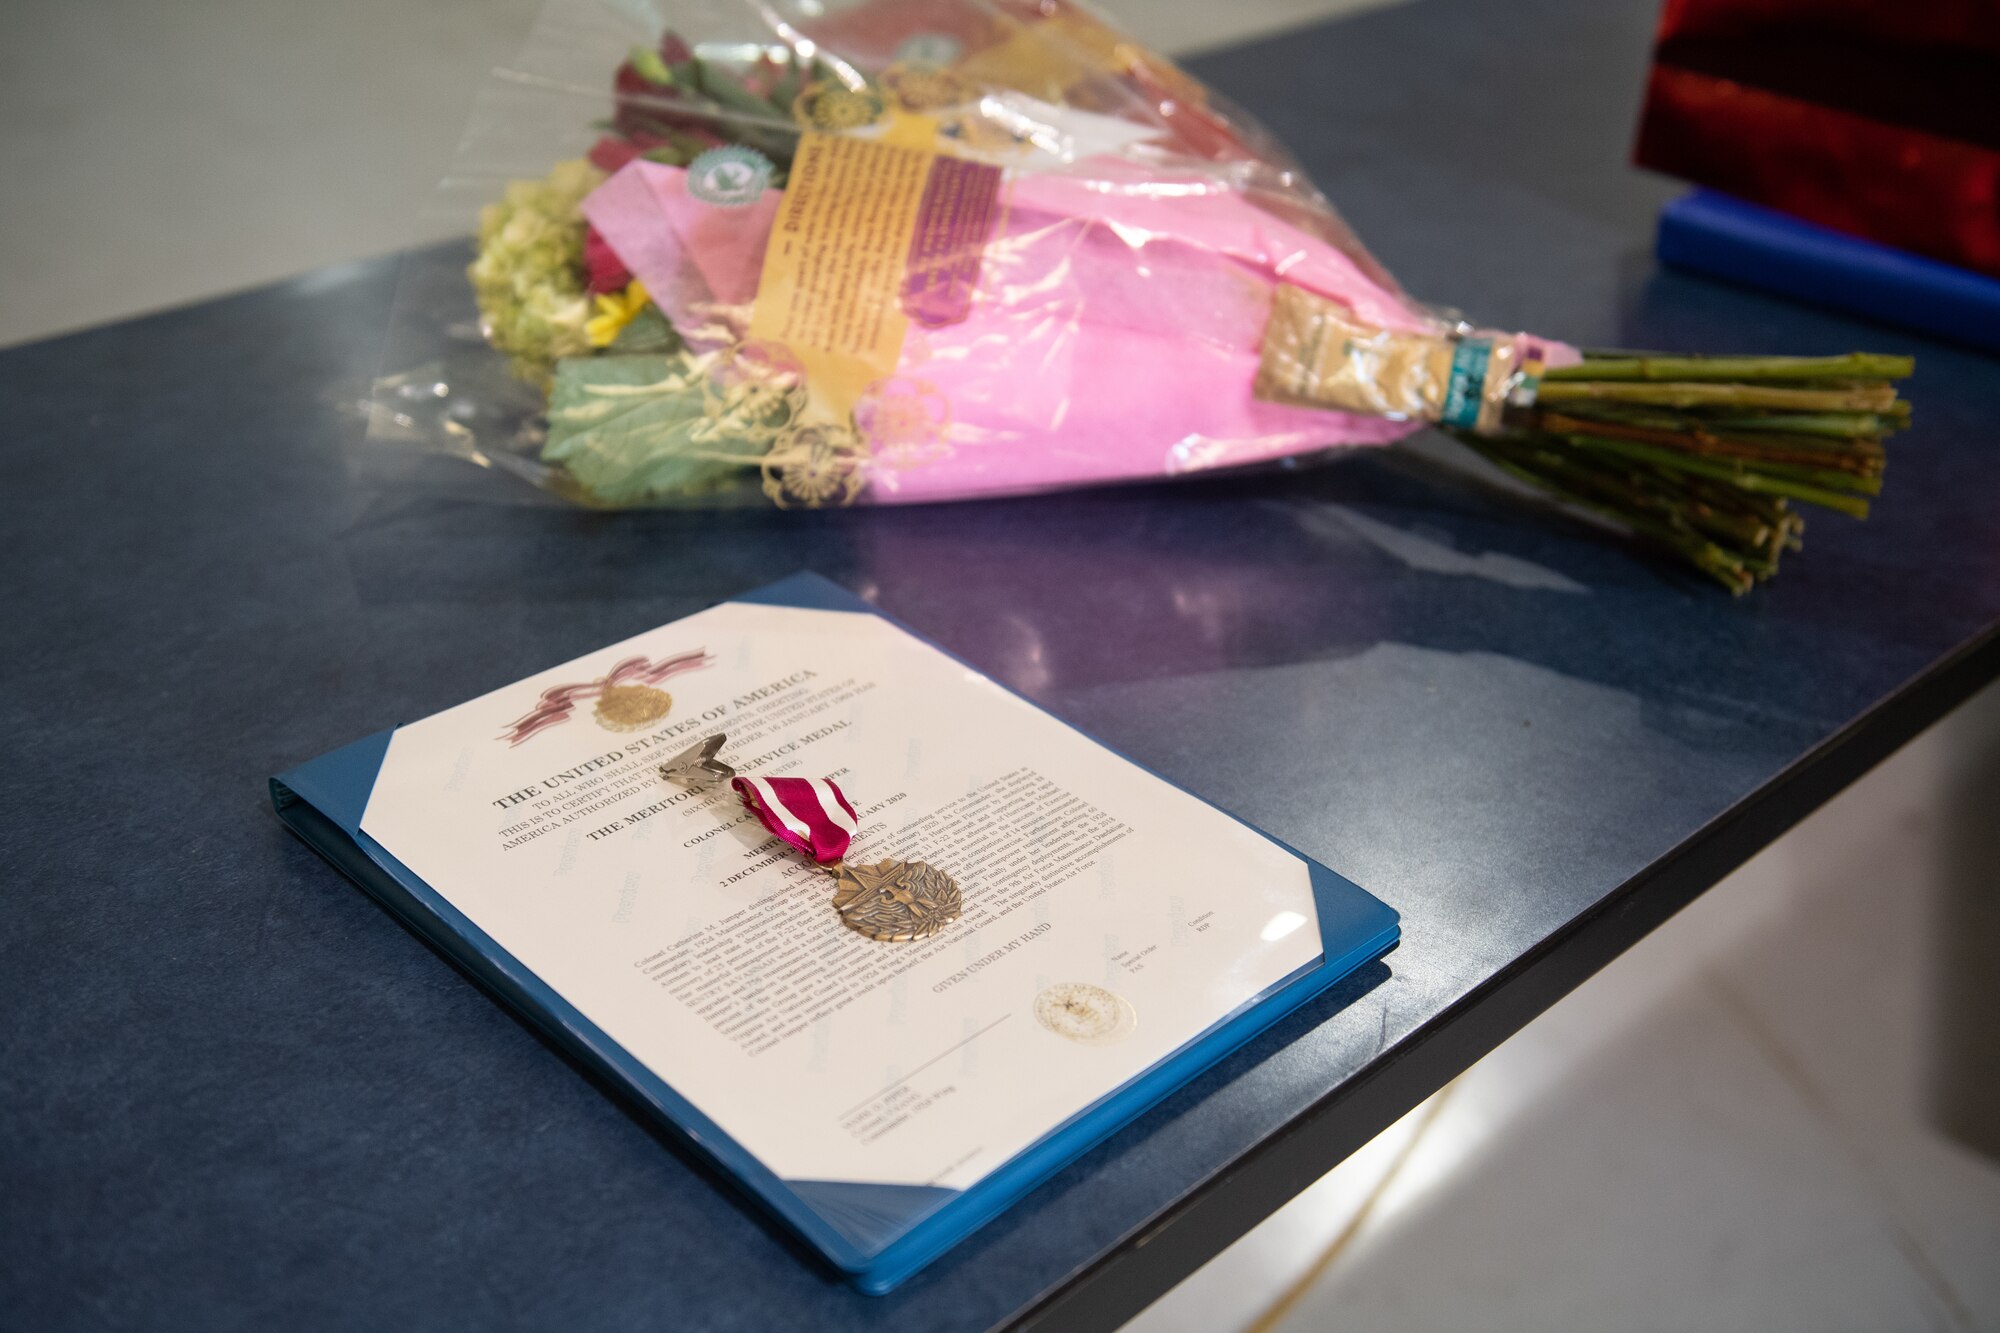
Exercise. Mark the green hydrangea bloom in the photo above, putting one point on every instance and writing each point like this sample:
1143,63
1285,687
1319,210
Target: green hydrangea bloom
529,274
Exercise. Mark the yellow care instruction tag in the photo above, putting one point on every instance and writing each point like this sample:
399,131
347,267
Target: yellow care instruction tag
835,267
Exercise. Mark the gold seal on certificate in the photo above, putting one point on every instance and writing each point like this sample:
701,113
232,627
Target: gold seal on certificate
631,707
1085,1013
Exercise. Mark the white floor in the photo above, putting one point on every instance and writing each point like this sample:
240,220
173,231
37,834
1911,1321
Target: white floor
1736,1126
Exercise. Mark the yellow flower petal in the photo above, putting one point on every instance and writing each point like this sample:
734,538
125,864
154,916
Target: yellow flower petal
614,312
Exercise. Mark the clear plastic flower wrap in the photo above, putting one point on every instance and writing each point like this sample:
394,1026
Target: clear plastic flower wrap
897,251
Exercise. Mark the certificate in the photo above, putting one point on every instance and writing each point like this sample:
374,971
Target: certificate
1109,919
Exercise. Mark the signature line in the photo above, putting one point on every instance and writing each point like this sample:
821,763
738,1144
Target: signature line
922,1067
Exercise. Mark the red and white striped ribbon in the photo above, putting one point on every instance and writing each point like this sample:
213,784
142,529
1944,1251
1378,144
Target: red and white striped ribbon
557,703
811,814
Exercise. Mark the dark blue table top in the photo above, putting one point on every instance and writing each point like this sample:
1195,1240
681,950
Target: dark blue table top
237,1094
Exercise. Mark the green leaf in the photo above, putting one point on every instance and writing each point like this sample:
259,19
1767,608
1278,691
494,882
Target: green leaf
787,88
648,332
622,426
721,85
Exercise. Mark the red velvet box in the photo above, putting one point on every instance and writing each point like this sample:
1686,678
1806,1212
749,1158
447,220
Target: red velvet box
1880,118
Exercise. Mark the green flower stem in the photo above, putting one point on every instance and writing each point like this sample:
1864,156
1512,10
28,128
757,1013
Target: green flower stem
1868,398
1806,452
1727,569
721,86
1842,426
1738,369
1658,497
1813,487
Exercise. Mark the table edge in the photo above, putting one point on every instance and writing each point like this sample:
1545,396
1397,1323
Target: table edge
1169,1246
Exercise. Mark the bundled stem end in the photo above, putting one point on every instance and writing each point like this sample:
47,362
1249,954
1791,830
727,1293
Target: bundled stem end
1706,456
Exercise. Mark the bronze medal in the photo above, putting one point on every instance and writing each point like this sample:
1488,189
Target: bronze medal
892,900
896,900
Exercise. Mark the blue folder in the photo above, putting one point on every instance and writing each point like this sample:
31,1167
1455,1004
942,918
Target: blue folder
1757,247
878,1235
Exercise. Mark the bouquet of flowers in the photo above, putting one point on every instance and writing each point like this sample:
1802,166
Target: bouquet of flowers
900,251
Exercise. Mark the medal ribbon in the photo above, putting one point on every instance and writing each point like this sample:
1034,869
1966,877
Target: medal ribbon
810,814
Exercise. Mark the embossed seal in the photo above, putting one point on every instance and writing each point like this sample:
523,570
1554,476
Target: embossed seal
1085,1013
